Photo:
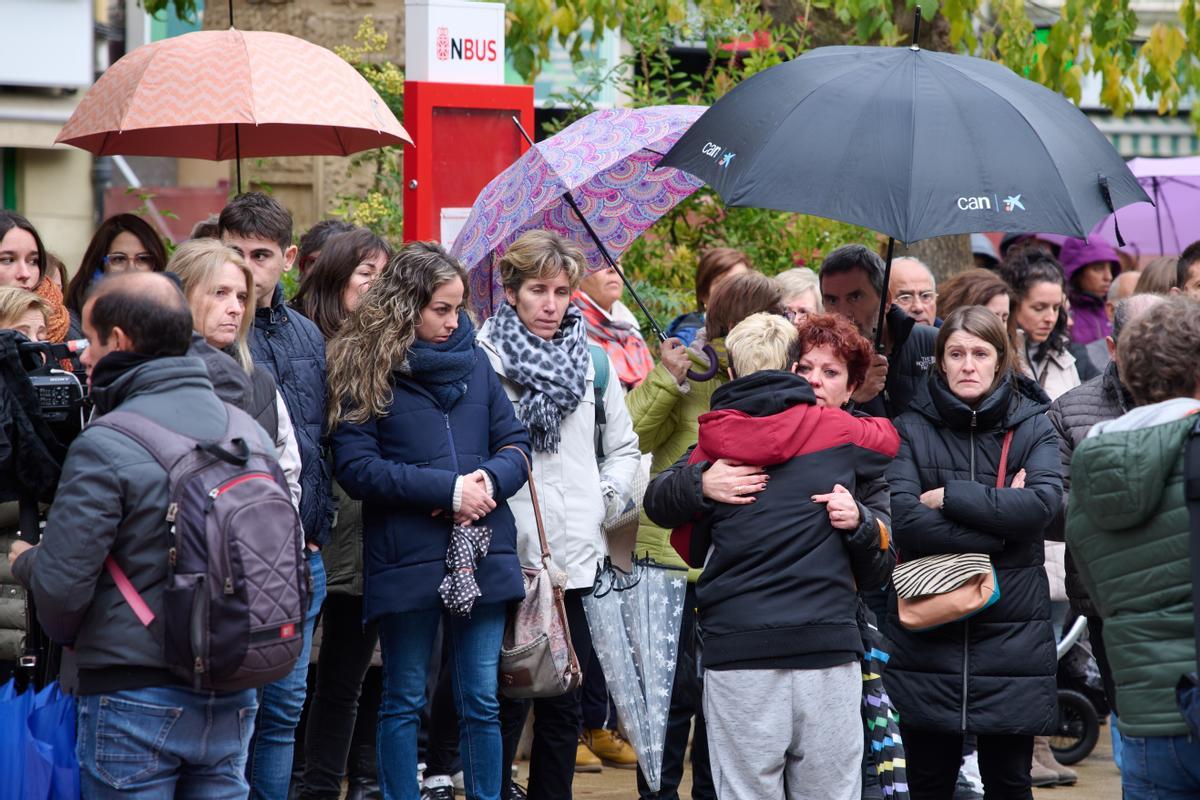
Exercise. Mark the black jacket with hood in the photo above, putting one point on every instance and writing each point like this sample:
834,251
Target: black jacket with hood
994,672
778,587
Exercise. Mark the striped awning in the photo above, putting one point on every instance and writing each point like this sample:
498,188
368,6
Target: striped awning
1147,134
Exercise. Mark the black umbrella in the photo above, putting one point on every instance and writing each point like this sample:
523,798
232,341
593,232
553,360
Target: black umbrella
908,142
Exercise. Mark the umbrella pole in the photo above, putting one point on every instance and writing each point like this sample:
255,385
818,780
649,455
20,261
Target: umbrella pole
883,296
1158,215
237,145
608,259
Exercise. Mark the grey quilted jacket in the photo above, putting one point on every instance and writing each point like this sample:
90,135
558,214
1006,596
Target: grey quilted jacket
1073,414
112,498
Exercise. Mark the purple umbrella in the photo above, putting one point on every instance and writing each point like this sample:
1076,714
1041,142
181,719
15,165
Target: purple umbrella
1173,222
605,165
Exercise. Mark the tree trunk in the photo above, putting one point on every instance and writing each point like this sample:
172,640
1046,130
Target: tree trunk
945,255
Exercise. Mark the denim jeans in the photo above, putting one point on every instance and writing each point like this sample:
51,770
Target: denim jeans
164,742
1160,767
280,704
407,641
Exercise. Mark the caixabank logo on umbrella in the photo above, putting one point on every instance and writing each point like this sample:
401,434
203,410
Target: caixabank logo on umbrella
991,202
719,154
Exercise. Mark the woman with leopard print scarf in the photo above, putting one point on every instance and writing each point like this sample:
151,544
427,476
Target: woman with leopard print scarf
537,343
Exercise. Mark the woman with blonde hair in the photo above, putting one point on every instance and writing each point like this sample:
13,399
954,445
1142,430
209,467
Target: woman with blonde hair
24,312
537,343
219,288
424,435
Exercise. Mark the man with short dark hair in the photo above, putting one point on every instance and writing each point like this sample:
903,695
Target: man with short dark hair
291,347
1129,530
141,729
1187,272
852,285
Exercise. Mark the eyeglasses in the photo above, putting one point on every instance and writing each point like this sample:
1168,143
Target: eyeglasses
121,261
908,298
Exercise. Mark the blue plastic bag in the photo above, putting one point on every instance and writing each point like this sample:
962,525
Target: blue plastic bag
37,761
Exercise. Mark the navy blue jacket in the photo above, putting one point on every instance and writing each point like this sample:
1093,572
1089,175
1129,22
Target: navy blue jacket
292,349
404,465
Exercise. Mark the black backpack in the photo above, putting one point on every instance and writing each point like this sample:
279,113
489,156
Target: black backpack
238,583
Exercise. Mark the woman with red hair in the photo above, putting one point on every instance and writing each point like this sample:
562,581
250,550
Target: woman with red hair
832,356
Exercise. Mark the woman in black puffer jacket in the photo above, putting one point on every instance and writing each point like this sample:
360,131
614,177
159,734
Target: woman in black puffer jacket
993,674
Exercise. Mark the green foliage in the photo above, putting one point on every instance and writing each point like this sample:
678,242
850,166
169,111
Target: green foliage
1090,37
183,9
380,208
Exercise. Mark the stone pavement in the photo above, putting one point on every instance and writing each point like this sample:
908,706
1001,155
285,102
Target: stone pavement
1098,780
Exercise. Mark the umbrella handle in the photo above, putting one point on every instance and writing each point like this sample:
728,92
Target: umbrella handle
883,296
710,372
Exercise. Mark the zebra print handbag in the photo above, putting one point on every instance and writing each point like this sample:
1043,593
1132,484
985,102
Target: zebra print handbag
937,590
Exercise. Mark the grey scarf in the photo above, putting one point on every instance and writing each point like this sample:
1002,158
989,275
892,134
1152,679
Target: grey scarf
554,373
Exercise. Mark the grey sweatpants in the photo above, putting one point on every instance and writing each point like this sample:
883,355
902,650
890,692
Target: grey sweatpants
785,733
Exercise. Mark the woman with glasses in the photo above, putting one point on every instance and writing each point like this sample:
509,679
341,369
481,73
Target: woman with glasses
122,243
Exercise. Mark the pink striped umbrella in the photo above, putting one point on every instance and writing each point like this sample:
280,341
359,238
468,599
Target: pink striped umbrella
228,94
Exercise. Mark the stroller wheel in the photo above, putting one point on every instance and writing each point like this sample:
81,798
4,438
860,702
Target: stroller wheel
1078,728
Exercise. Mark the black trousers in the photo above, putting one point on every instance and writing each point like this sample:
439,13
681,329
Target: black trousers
934,758
687,693
555,725
596,707
346,649
1096,637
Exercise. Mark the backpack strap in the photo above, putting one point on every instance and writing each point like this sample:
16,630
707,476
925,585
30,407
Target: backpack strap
167,447
599,387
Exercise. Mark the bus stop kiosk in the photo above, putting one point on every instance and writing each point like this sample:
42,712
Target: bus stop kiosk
459,112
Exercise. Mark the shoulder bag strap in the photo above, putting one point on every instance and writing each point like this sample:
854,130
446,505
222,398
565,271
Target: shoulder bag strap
1008,437
537,509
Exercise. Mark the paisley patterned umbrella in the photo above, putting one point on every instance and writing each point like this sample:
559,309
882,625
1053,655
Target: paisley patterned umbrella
634,620
607,162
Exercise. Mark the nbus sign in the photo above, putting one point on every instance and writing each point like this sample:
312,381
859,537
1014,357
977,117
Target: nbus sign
453,41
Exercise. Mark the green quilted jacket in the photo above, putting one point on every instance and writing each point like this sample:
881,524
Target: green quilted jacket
665,420
1127,527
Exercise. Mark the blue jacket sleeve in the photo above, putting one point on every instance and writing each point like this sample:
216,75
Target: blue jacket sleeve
506,467
922,531
366,475
1016,514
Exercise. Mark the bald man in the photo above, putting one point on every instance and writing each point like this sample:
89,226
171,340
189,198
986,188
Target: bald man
1100,352
914,290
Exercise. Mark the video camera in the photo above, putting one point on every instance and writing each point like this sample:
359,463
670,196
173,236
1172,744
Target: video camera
59,392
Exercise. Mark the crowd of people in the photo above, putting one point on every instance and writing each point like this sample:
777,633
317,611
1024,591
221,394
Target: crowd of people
1032,411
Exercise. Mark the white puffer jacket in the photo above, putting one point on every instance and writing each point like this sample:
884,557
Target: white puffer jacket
569,481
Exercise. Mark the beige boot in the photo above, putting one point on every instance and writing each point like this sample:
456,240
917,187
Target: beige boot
1042,754
1039,773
